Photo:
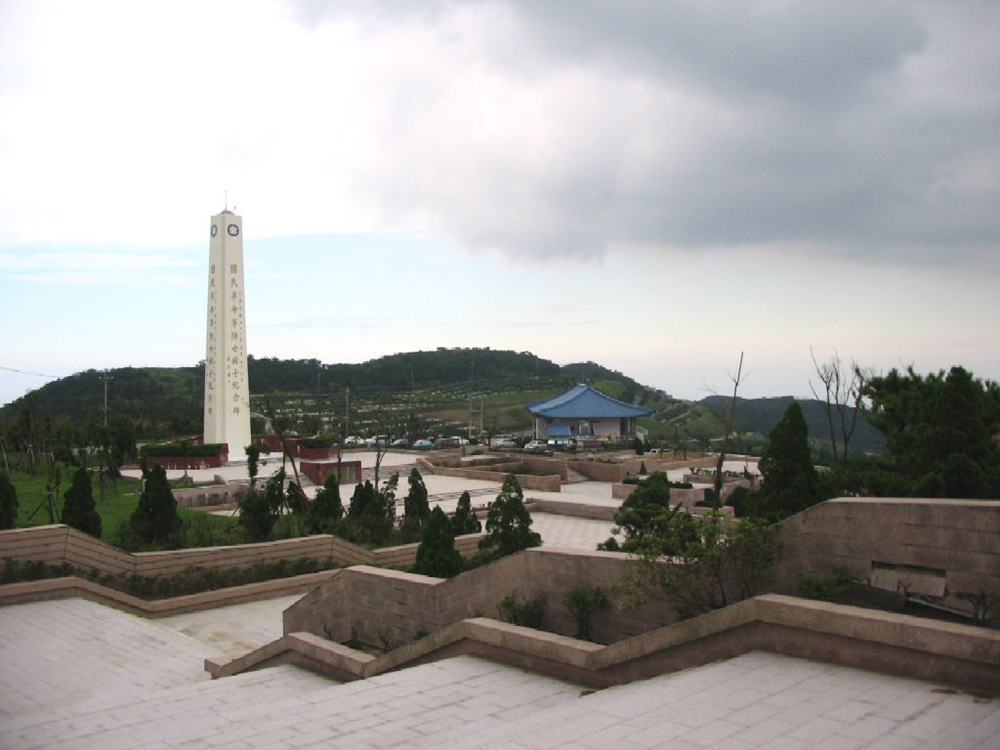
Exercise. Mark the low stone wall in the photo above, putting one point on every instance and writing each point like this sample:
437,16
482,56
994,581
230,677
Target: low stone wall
72,587
202,497
365,603
598,471
655,463
61,544
570,508
686,497
958,538
551,483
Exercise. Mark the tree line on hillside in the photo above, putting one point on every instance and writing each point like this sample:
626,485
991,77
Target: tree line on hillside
168,401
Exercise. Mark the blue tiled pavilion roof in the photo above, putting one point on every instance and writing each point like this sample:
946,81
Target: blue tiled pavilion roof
584,402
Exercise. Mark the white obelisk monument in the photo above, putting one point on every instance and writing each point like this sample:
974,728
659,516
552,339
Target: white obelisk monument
227,393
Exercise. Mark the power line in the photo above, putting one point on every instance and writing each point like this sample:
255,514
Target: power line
25,372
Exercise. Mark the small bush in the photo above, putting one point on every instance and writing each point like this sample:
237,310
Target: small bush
528,613
436,555
174,450
822,588
78,509
155,519
8,502
465,520
582,603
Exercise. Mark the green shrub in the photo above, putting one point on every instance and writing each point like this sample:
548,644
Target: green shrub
822,588
465,520
436,555
173,450
327,508
508,522
259,510
78,506
155,519
320,441
8,502
416,509
582,603
528,613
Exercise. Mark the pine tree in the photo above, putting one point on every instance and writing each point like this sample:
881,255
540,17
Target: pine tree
155,519
790,480
508,522
326,508
436,555
8,502
260,509
465,520
415,506
78,509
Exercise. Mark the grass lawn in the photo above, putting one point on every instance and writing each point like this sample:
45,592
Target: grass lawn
118,505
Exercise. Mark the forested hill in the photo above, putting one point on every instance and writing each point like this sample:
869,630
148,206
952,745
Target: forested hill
159,394
762,414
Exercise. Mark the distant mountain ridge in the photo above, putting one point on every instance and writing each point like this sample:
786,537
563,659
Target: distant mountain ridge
158,392
168,401
763,414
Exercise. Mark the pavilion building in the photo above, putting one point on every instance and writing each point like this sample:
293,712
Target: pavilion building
584,412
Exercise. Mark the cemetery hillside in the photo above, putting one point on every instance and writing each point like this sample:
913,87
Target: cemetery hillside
445,389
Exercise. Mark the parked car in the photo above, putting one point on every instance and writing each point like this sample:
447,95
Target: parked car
536,446
352,440
423,444
503,442
400,443
561,444
459,440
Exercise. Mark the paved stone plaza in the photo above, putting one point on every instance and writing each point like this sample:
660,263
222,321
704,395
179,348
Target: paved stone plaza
78,675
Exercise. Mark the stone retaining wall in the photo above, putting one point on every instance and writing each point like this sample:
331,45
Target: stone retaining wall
61,544
928,650
961,538
551,483
363,602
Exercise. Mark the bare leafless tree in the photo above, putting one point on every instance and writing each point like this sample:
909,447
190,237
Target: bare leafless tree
730,422
841,393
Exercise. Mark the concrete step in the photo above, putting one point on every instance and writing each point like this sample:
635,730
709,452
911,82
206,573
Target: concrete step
574,477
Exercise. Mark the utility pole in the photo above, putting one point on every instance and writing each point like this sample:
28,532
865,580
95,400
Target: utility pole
105,377
347,412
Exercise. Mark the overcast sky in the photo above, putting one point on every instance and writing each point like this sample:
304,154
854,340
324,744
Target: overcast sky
653,186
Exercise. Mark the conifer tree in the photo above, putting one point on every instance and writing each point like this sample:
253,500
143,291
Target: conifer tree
78,509
260,509
790,480
155,519
436,555
465,520
415,506
327,507
8,502
508,522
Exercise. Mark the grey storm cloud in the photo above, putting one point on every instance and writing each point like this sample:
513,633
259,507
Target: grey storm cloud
864,128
